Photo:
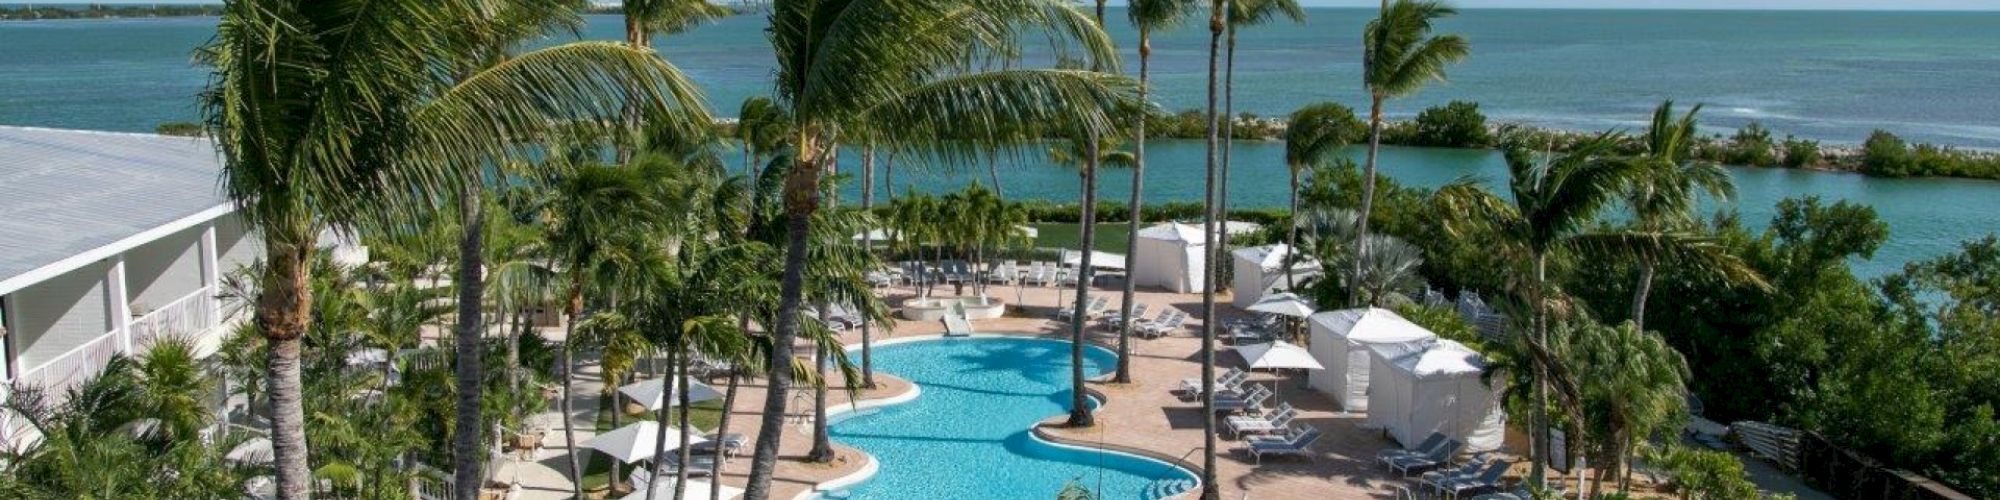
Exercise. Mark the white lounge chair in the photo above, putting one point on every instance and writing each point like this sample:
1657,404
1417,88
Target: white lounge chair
1117,320
1300,445
1163,327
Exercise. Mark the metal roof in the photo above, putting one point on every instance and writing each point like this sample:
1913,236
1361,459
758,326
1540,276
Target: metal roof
67,196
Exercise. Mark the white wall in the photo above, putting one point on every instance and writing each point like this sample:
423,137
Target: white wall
57,315
236,247
165,270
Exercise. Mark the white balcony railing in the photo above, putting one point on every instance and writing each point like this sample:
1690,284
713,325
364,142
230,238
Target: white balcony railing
184,317
187,317
56,376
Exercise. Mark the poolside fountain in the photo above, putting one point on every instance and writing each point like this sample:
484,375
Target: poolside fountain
935,308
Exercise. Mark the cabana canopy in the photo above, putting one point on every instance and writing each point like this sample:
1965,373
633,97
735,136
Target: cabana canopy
1260,271
649,392
696,490
1435,387
1341,339
1170,256
634,442
1106,260
1277,355
1287,304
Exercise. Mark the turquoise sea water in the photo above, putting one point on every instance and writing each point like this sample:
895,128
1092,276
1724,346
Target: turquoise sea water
1828,75
966,435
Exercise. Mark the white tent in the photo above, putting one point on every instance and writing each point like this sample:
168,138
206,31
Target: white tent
1260,271
1340,340
1435,387
635,442
1169,257
649,392
1100,260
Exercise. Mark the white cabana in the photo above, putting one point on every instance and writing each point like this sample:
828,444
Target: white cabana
649,392
1341,339
1277,355
1284,304
1102,260
634,442
1260,271
1435,387
1170,257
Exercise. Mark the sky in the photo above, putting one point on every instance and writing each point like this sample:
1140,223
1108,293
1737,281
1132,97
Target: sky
1475,4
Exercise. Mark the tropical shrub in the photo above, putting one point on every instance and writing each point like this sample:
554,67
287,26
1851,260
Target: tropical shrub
1457,124
1752,146
1802,153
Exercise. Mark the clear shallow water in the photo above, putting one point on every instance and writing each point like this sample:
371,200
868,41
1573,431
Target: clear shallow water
967,435
1832,75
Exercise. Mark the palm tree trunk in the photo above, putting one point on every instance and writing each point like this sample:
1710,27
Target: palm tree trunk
284,306
1367,192
1210,490
822,448
1079,405
1291,234
663,417
801,200
465,449
679,372
1538,452
993,171
867,243
728,409
1134,211
1228,132
575,310
1639,294
610,390
514,329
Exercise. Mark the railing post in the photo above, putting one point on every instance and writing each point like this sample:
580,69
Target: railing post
211,276
121,303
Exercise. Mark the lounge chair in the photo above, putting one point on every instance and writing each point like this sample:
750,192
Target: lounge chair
1164,327
1252,401
1117,320
1434,479
1094,307
1275,422
1300,445
1427,447
1488,480
1287,435
1227,382
1438,458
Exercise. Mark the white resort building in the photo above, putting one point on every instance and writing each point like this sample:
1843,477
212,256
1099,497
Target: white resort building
108,241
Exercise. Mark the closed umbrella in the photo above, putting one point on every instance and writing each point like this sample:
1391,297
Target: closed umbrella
634,442
651,392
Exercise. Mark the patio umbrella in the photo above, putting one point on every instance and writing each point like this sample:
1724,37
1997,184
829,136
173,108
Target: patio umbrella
649,392
1278,355
879,235
1287,304
634,442
1105,260
696,490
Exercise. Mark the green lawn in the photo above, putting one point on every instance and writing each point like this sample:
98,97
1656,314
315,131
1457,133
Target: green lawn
1110,236
597,470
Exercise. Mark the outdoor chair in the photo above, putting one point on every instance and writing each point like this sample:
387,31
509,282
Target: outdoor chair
1227,382
1485,481
1252,401
1162,328
1116,320
1429,445
1437,458
1437,478
1263,425
1300,445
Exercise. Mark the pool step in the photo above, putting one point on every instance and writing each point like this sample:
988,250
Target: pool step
955,325
1167,489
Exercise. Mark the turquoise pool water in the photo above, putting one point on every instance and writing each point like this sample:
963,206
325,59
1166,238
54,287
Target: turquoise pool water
967,435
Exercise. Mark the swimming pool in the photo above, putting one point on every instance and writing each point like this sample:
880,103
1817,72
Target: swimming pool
967,434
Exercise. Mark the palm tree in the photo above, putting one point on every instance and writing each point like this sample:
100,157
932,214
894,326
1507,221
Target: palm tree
1149,16
1637,385
317,115
1388,266
1553,210
1242,13
760,128
912,93
1398,57
1663,197
1086,156
1314,136
1217,23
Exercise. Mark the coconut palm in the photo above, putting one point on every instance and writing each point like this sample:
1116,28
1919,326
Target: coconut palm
1663,197
760,129
319,112
1217,22
1242,13
1553,210
1636,386
644,18
916,92
1314,136
1086,156
1399,56
1148,16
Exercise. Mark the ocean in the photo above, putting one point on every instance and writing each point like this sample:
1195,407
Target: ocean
1833,76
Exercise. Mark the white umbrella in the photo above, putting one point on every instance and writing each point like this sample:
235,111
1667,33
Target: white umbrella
696,490
253,452
1105,260
649,392
634,442
1288,304
368,356
1028,231
1278,355
882,235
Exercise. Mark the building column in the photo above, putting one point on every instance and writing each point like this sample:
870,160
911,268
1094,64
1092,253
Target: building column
10,319
121,303
211,274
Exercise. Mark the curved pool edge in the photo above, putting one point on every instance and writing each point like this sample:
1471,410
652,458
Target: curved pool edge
1036,432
